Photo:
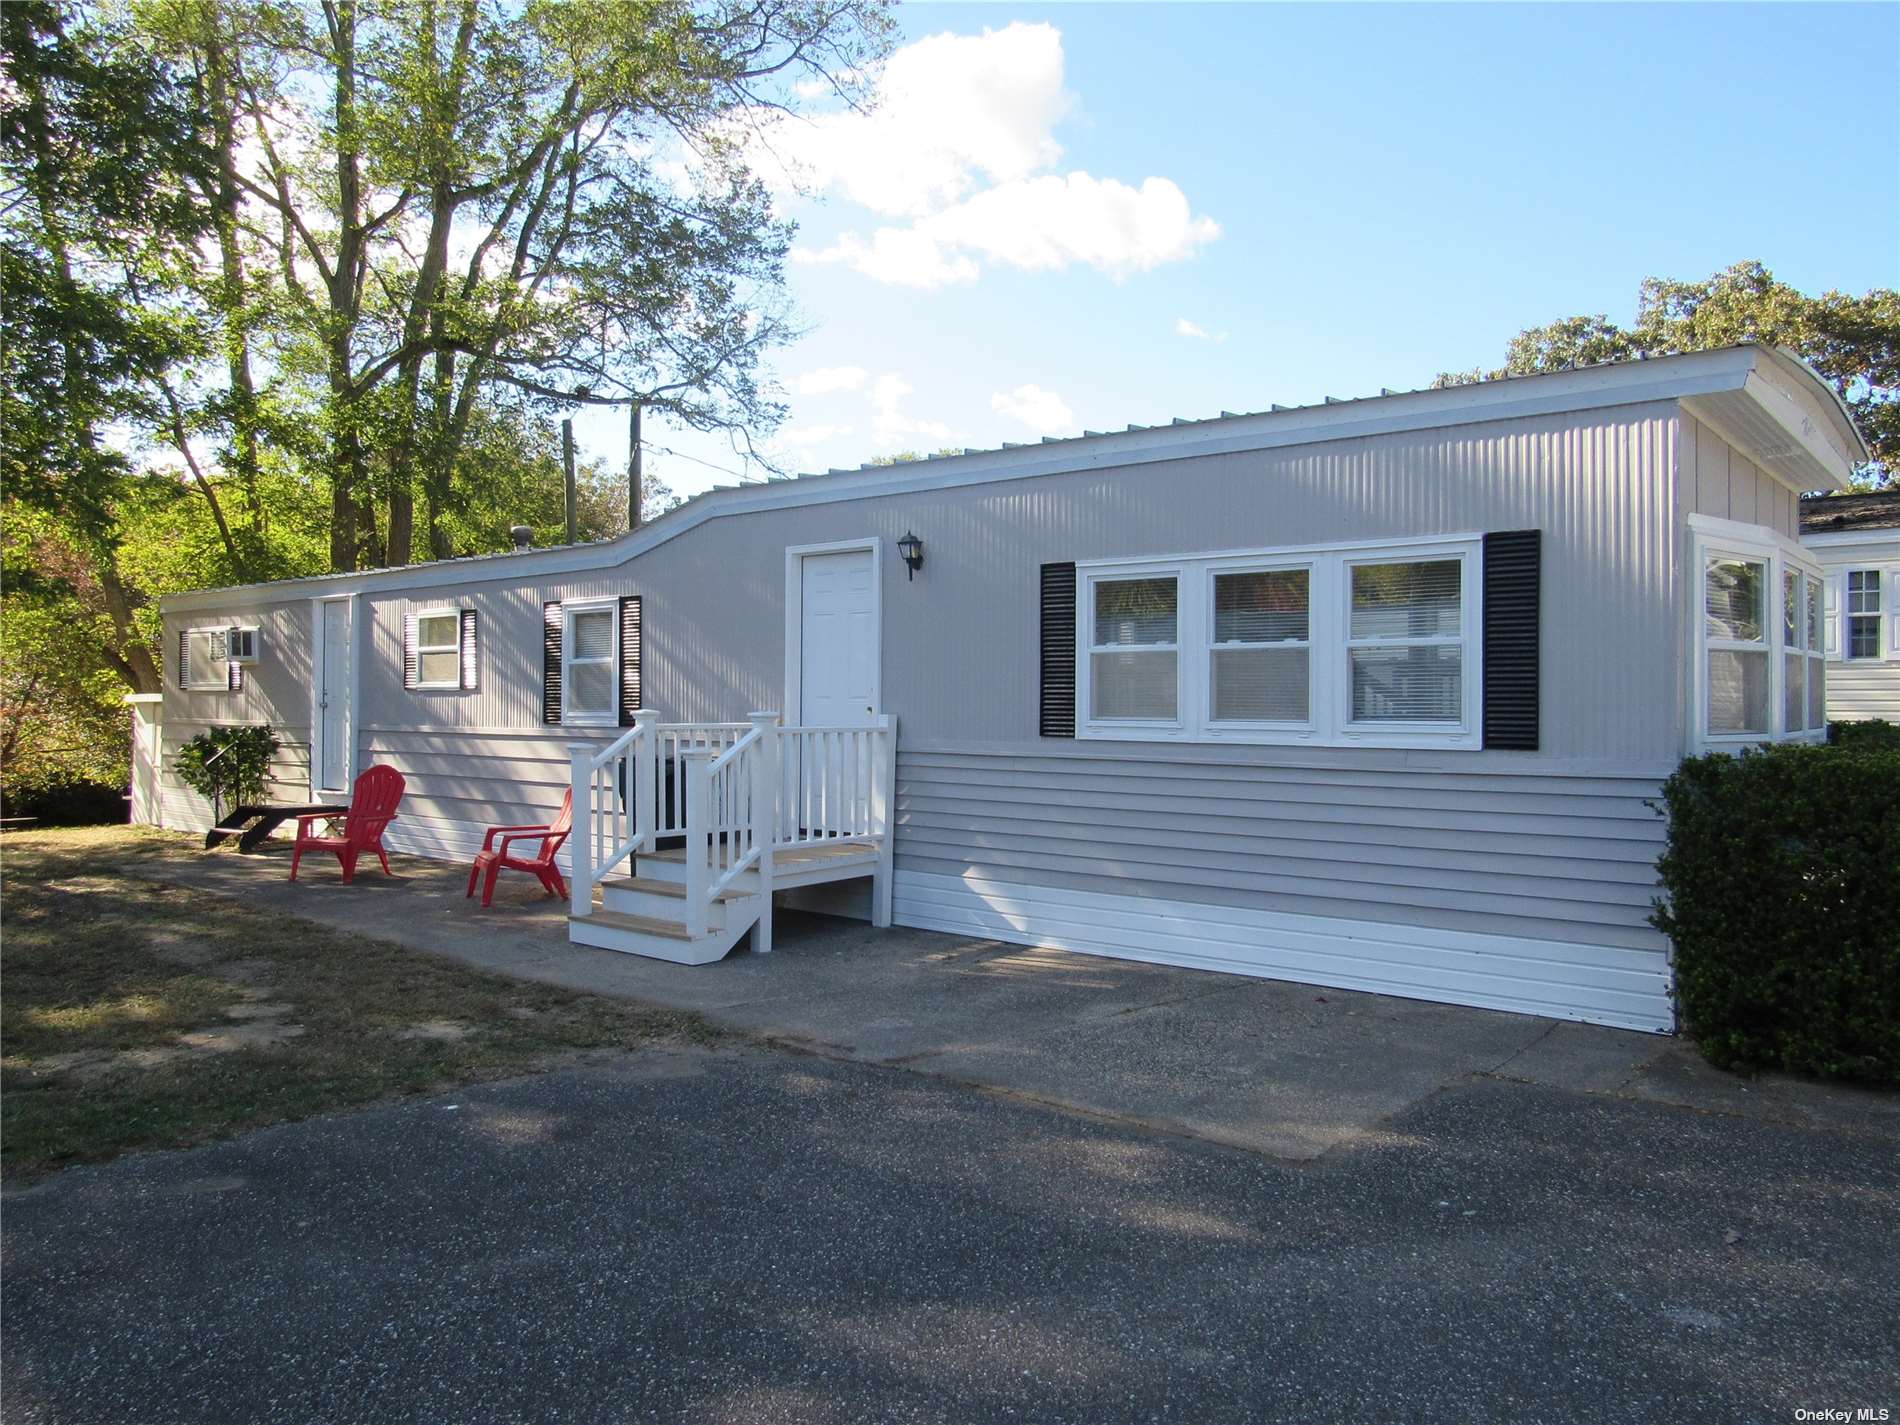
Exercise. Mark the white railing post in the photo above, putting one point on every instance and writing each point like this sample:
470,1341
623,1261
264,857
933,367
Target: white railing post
580,756
884,818
645,753
765,820
698,836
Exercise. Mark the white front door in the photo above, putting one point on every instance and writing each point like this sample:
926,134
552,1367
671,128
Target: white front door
838,639
330,744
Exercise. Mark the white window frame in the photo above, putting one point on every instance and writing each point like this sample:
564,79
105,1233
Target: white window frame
1713,539
453,646
1329,595
1143,729
570,717
1883,593
1469,639
1231,729
255,641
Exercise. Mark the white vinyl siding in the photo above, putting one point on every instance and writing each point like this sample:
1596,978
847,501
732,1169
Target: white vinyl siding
1327,645
439,649
590,641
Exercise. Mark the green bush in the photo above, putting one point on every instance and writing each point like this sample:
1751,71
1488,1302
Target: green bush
1782,875
239,775
65,801
1874,733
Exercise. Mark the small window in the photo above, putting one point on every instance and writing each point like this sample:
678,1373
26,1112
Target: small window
1735,625
1405,642
1863,613
588,654
1134,653
1817,656
1261,660
241,644
439,649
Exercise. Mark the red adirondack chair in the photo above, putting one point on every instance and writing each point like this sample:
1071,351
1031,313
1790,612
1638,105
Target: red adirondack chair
372,807
492,860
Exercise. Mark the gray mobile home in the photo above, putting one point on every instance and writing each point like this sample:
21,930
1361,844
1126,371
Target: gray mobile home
1371,694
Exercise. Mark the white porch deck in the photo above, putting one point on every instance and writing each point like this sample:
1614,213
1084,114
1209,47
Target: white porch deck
759,808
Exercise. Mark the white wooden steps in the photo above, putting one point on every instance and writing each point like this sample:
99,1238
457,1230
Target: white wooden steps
645,914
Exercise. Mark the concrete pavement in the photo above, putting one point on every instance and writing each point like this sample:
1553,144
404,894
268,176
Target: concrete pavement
1273,1067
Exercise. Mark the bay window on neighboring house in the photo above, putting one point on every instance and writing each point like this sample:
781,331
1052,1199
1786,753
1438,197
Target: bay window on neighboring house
1760,671
1370,645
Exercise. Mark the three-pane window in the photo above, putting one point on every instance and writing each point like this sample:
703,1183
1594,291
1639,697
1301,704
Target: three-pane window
1323,644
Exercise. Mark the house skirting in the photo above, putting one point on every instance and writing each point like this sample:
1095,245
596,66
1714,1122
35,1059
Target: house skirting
1593,984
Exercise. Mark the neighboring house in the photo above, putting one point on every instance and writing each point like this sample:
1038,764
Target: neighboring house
1373,694
1856,539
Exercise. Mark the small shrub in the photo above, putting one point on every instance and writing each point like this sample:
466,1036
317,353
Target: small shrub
239,775
1782,875
1874,733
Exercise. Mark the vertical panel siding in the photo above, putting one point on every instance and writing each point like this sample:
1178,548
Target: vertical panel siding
1719,480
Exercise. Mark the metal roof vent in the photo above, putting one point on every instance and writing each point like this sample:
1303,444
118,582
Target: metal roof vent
522,535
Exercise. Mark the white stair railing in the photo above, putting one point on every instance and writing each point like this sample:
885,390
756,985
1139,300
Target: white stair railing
738,793
612,808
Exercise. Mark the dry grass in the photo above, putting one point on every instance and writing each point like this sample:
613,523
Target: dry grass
135,1014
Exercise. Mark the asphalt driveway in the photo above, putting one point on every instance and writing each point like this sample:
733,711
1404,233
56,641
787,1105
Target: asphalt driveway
753,1235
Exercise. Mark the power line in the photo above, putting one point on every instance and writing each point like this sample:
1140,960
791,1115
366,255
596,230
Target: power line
682,455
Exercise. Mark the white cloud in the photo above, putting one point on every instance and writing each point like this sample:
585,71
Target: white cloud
1036,224
946,110
1044,412
809,437
890,422
827,379
1195,332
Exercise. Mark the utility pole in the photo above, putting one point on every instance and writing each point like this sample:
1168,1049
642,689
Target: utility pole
633,465
567,460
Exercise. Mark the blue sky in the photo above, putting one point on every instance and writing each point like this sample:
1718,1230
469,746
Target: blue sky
1338,198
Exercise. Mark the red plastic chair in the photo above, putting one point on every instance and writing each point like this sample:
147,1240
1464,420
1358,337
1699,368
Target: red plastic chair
372,807
492,860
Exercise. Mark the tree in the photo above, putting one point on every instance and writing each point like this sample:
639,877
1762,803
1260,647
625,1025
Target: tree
98,146
462,203
1853,342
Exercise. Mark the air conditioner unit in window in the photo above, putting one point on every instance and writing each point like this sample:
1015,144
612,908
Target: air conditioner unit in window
241,645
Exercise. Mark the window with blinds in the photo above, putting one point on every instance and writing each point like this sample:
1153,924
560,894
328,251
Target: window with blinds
439,649
589,657
1405,641
1134,651
1326,644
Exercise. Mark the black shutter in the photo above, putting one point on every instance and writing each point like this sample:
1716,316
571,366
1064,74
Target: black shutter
629,658
1513,567
471,665
1058,650
184,658
410,675
551,662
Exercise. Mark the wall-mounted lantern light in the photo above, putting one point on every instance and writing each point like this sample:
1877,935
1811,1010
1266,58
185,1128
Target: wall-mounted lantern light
912,548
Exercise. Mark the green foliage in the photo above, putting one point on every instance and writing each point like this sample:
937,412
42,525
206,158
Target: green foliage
1784,905
1875,734
238,775
1853,342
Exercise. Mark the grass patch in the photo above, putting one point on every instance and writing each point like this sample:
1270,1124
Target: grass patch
137,1014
